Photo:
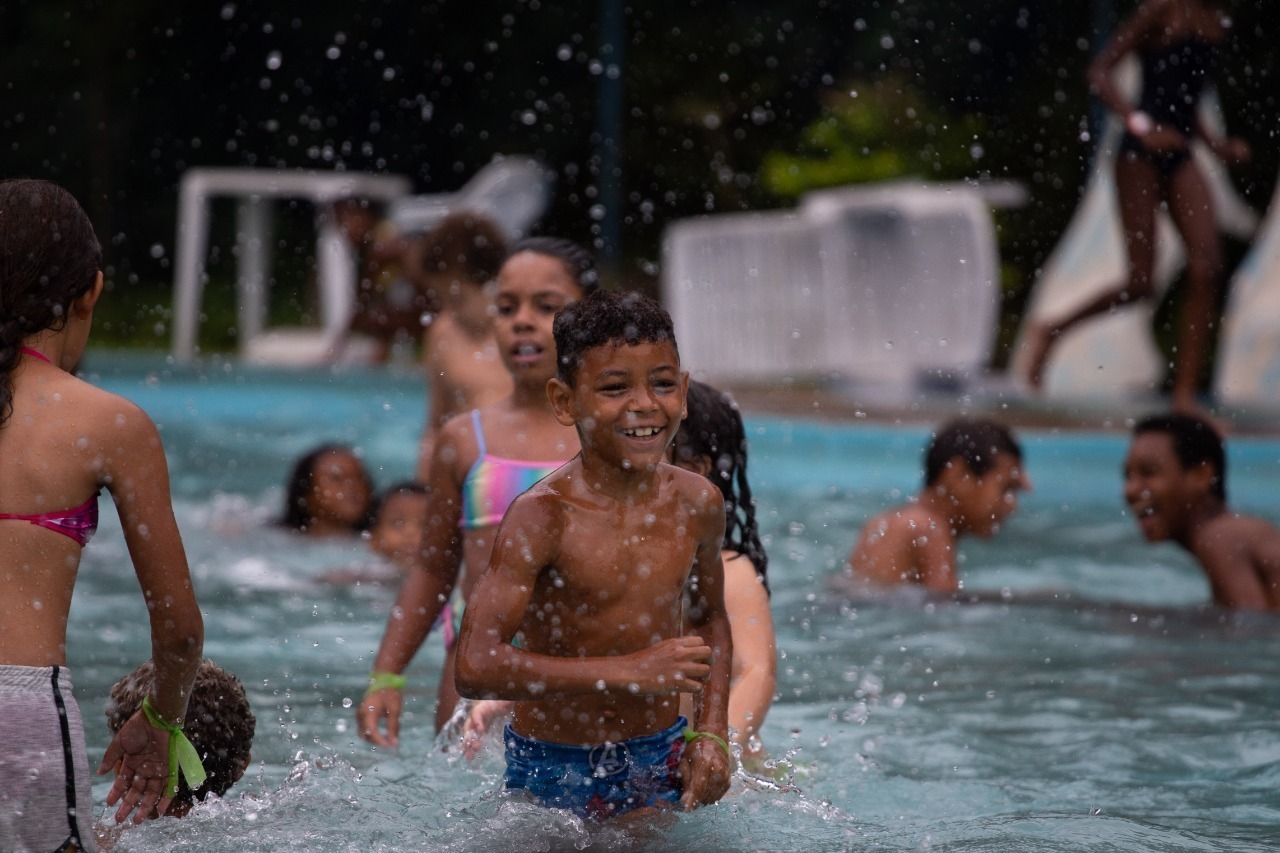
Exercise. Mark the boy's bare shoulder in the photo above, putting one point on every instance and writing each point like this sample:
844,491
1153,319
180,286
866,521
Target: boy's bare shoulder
693,487
909,519
552,492
1232,529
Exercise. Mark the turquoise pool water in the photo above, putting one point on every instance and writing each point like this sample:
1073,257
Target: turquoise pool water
1099,707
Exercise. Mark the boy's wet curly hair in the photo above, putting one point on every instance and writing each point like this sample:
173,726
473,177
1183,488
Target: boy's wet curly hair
977,441
607,317
713,430
49,258
219,723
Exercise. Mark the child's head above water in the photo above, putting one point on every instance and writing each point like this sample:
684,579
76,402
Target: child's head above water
467,247
1193,441
49,258
356,217
328,492
618,378
399,520
578,262
713,442
607,318
1175,464
978,464
219,724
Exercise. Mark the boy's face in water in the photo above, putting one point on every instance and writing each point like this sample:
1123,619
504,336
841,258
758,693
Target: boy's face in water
627,402
1158,490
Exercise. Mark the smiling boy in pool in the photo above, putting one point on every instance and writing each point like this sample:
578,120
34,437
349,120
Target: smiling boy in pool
1175,477
973,473
590,567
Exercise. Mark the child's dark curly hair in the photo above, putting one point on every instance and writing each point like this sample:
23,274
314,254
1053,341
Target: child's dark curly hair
219,723
607,317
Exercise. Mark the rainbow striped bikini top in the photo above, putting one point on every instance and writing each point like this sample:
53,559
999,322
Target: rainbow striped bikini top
494,482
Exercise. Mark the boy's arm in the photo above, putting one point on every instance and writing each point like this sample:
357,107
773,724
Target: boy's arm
422,596
706,766
490,667
934,555
1236,560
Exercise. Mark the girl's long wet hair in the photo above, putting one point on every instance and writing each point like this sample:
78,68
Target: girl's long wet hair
713,429
49,258
298,488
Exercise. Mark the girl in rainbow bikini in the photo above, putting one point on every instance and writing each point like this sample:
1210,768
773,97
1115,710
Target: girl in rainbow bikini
480,462
61,442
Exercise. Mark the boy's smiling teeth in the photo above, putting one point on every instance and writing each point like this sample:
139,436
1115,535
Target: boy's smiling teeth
642,432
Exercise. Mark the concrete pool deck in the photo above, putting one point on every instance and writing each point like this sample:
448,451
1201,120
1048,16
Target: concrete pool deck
840,401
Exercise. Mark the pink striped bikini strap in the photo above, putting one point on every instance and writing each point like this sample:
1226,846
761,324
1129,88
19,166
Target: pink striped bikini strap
35,353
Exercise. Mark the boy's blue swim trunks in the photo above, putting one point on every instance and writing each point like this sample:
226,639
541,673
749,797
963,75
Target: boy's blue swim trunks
598,782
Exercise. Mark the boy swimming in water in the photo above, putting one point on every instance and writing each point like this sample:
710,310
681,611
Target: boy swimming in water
973,473
1175,482
591,568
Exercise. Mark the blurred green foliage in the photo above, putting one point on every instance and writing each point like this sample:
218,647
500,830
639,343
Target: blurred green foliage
876,131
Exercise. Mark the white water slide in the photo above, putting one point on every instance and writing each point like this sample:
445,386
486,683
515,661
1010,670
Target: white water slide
891,285
1114,355
1248,363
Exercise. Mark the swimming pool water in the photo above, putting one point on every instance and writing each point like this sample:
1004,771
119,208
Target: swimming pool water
1088,702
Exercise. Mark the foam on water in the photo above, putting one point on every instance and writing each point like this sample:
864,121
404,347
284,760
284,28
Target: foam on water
1086,701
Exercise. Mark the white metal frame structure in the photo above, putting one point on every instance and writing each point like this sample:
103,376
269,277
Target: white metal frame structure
255,189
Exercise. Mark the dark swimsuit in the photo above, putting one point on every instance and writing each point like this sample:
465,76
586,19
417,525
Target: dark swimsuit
79,523
1173,78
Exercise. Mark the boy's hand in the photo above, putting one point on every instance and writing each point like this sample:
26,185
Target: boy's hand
705,770
677,663
139,755
373,709
481,716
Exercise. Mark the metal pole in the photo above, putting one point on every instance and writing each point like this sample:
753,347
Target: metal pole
613,36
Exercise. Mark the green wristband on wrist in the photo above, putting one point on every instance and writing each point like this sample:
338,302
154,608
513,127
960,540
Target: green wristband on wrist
383,680
690,736
182,753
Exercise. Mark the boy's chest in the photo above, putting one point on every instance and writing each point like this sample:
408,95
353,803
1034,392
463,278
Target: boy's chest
645,560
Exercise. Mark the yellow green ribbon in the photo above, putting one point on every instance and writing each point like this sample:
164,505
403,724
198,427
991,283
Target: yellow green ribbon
182,753
690,736
383,680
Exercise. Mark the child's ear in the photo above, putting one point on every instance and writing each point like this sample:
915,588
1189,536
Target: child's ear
84,302
684,394
560,395
1202,476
